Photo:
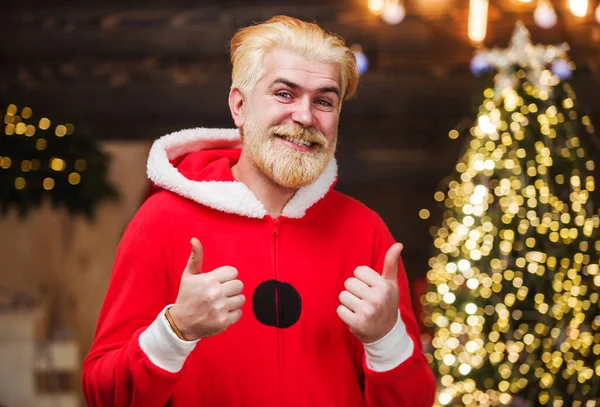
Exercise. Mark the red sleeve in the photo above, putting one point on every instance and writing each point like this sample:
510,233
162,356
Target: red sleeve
117,372
412,383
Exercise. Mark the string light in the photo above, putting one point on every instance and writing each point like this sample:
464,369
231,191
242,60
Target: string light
60,131
478,14
80,165
57,164
376,6
362,62
41,144
48,184
393,12
74,178
544,14
578,7
514,298
44,123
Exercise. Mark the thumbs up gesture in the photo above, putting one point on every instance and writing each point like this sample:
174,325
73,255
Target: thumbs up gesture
370,301
207,303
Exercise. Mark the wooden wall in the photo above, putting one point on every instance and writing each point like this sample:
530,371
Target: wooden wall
132,71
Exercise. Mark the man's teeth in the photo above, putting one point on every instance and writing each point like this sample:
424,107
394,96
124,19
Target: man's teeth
297,142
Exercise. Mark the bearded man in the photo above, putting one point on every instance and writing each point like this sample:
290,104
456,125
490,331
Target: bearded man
291,294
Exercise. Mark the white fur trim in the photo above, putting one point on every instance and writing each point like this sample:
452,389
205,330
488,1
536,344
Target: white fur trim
307,196
391,350
231,197
163,347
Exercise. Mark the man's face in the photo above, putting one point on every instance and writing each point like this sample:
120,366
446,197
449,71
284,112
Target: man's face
291,118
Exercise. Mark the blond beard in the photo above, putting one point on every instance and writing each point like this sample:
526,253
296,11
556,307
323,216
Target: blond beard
285,165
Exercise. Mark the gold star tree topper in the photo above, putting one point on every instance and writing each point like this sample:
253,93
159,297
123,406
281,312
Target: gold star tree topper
533,59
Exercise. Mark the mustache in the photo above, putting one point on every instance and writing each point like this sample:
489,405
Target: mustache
297,132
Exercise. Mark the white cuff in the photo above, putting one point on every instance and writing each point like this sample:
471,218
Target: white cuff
163,347
391,350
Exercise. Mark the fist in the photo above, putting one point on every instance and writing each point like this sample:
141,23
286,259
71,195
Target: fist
207,303
369,304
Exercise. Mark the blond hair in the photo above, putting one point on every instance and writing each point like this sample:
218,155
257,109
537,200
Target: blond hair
250,45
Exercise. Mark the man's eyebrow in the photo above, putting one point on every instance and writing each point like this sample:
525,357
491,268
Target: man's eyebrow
292,85
330,89
286,83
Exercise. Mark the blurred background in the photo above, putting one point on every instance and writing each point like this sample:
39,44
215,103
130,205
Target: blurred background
98,81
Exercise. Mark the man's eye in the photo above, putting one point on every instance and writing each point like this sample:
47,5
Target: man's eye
285,95
324,103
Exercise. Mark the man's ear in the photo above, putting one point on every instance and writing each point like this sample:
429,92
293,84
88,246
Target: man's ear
237,106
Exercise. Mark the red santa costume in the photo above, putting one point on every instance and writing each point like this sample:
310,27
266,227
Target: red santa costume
290,349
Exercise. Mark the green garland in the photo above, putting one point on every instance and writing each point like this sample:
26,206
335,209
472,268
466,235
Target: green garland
39,161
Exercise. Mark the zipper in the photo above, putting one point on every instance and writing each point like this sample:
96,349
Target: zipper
277,311
275,231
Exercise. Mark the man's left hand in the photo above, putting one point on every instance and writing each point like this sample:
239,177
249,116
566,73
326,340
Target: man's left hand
370,300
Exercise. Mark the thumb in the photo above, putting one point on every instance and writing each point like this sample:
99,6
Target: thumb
390,264
194,265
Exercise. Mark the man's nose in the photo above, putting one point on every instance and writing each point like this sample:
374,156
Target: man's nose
303,113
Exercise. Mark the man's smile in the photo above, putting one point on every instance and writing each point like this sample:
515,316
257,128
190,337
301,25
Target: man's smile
295,143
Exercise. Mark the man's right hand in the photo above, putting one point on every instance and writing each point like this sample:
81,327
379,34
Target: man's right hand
207,303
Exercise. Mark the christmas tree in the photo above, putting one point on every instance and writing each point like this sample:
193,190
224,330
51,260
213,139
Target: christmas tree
515,282
39,161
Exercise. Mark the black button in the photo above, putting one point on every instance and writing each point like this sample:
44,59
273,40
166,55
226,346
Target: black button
276,304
